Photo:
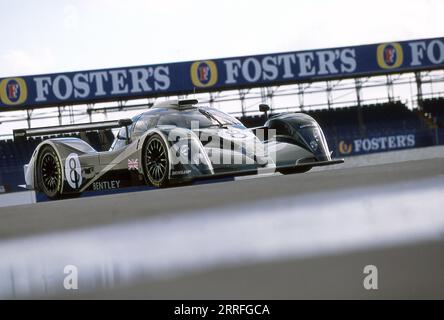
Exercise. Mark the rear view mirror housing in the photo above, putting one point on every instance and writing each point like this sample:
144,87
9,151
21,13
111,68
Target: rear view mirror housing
264,108
125,122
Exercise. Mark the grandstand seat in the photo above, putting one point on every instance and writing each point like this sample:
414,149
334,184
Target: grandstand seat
435,107
376,118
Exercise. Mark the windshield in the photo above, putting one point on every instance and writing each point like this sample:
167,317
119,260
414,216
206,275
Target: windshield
224,118
143,124
202,118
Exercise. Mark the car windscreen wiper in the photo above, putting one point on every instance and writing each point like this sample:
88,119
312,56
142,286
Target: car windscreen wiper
212,118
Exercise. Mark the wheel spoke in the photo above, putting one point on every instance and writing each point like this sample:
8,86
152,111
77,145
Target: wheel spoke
50,172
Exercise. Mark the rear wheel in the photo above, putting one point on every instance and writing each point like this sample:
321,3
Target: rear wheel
156,162
49,173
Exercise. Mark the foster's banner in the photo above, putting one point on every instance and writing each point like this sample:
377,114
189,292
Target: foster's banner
219,74
350,146
376,144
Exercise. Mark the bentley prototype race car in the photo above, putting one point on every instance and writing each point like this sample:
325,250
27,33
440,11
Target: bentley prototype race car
173,142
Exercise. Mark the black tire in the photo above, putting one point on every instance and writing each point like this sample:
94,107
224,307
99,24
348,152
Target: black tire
156,163
49,173
294,170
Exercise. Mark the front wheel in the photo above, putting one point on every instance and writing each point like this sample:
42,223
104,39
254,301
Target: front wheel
49,173
156,161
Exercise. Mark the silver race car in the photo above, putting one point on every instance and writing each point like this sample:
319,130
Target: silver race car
172,143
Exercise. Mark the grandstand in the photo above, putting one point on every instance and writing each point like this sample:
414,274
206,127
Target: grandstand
386,118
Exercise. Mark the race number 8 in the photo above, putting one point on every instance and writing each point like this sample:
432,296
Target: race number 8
73,171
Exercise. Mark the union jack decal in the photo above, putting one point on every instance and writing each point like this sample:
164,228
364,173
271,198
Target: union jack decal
133,164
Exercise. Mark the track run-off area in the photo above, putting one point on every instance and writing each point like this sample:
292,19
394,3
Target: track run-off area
297,236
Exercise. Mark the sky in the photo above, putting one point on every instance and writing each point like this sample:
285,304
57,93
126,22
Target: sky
48,36
51,36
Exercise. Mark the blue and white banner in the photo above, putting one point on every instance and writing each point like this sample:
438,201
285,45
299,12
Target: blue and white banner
219,74
376,144
349,146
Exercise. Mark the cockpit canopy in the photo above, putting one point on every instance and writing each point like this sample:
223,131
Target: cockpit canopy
189,118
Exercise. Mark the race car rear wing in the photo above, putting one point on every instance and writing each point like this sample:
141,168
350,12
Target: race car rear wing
42,131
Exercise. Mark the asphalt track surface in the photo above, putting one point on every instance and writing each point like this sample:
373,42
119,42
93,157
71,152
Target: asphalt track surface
86,212
408,270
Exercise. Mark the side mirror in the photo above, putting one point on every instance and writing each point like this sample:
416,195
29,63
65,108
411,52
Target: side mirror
125,122
264,108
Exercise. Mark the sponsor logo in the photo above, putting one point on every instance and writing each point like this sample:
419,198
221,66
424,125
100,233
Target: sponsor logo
180,172
390,55
422,51
204,73
290,66
73,171
99,84
133,164
345,148
377,144
279,68
106,185
13,91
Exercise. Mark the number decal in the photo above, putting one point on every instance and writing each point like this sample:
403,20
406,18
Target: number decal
73,171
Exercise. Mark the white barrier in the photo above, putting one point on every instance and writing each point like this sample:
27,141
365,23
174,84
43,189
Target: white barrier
17,198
